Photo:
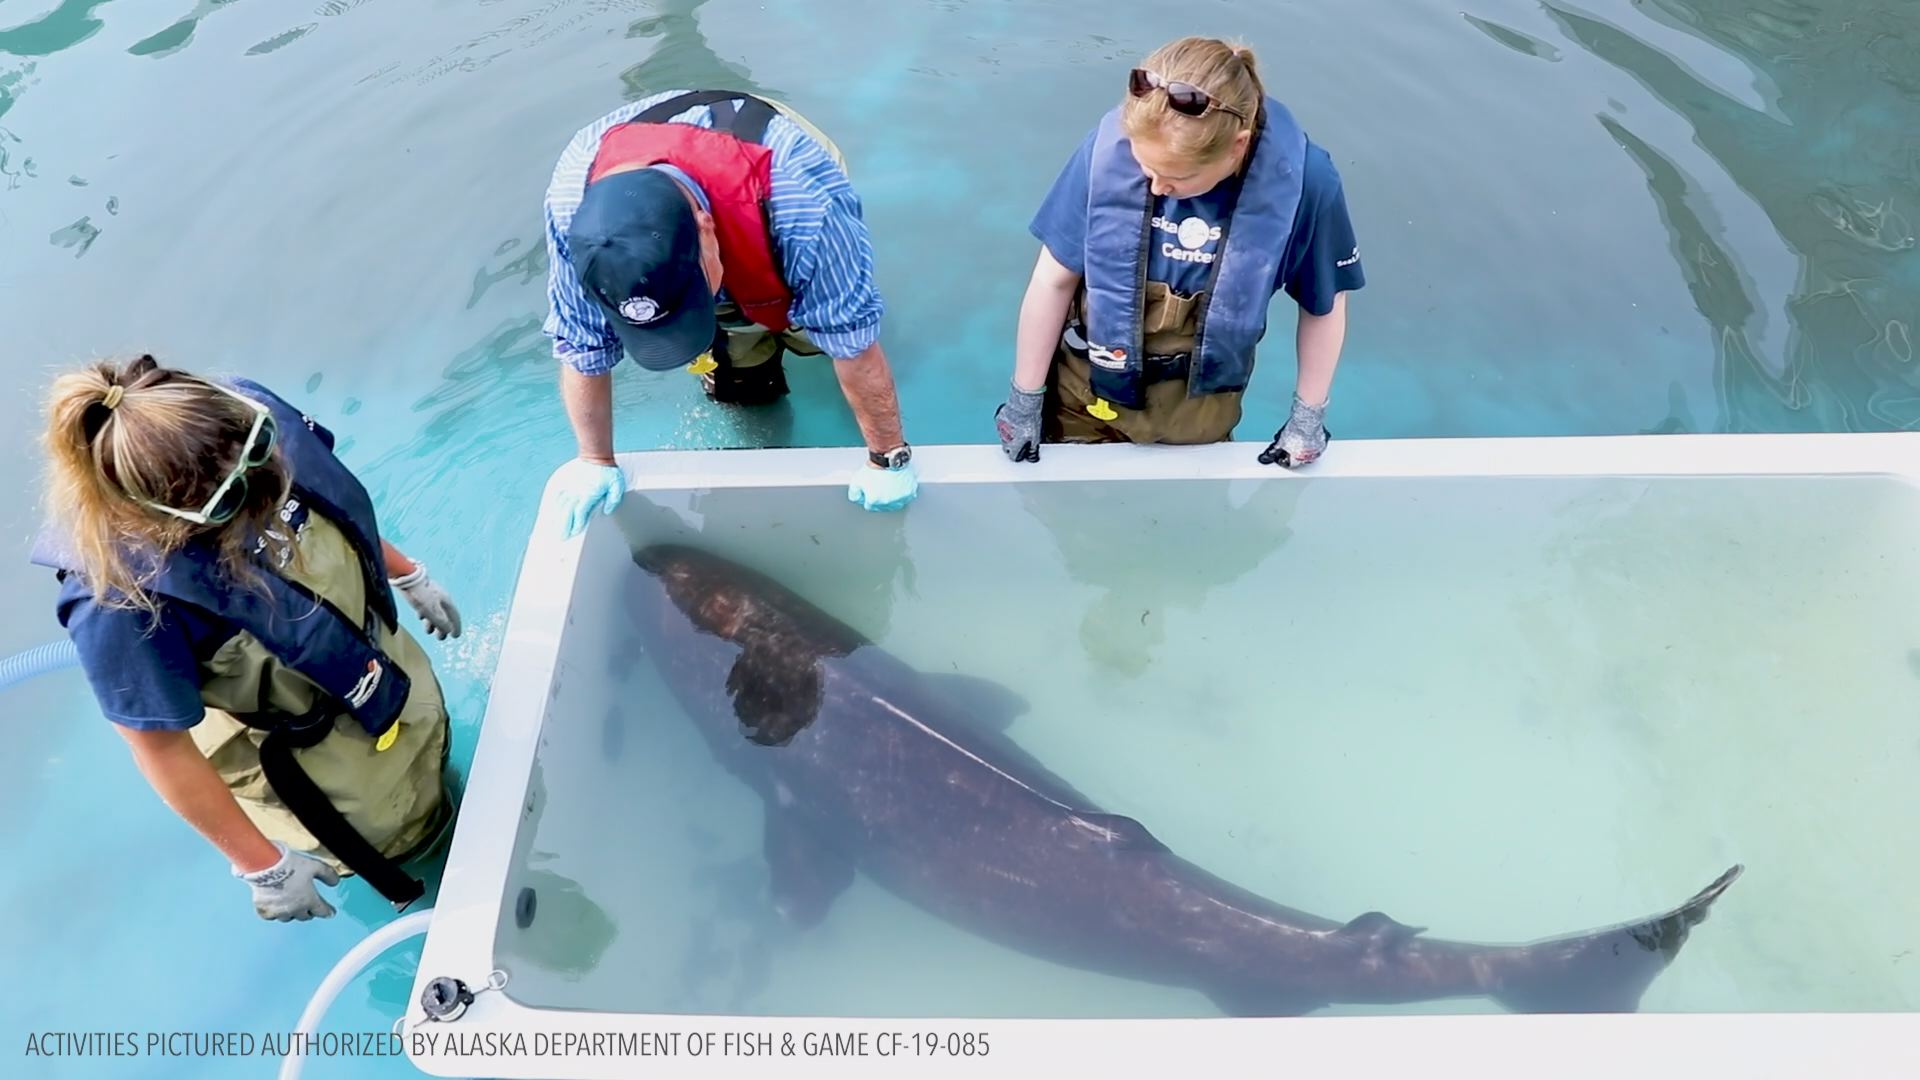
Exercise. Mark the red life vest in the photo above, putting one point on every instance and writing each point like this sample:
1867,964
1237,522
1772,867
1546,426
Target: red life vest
734,170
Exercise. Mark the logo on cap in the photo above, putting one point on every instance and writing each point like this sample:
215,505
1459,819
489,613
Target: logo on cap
640,310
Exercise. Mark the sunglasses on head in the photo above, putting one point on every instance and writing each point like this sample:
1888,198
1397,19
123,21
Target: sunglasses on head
231,495
1186,98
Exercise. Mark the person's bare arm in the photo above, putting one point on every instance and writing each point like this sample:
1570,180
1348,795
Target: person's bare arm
1042,314
589,402
867,382
398,565
1317,343
188,783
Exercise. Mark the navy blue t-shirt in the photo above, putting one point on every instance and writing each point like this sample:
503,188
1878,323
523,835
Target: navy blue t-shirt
1322,257
146,674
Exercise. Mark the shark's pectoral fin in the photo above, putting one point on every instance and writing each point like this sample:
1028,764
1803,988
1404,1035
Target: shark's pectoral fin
1123,833
1379,930
1263,1003
805,875
773,697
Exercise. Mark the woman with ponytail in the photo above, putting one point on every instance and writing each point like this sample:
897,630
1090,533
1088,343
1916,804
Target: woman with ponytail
225,583
1163,241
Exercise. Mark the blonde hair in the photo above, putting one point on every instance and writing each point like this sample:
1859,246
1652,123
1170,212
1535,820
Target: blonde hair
1225,71
118,436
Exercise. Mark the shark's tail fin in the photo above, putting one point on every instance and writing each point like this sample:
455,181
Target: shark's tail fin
1602,970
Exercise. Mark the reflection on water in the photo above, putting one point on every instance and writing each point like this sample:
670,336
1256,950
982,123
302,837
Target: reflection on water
546,920
62,28
10,82
282,40
1524,44
1148,571
530,266
79,236
514,33
681,55
25,171
328,10
178,36
1837,179
566,932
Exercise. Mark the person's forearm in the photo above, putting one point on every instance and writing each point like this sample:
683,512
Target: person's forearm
1317,343
188,784
1043,312
398,565
867,382
589,402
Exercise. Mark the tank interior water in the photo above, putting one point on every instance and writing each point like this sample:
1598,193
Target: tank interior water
1501,709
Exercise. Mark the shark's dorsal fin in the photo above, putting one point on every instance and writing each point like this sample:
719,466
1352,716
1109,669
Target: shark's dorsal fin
1377,928
1120,831
974,700
968,709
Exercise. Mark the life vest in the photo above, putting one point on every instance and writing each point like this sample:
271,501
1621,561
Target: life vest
304,631
1241,284
735,171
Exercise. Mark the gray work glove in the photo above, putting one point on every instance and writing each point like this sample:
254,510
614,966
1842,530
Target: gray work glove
1019,423
285,891
429,601
1302,439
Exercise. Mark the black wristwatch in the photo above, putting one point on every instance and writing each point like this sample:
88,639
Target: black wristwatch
893,459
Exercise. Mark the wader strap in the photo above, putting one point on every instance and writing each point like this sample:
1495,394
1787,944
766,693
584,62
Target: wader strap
310,805
761,384
748,125
1154,367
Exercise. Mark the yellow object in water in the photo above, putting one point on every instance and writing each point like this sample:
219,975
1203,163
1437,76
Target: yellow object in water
1100,410
702,364
387,740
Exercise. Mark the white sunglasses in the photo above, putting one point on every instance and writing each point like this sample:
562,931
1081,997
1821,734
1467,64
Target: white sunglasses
231,495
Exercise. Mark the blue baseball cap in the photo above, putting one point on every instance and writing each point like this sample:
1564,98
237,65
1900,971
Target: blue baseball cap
636,247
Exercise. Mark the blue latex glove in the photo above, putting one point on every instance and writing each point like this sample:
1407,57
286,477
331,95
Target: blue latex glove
883,489
581,485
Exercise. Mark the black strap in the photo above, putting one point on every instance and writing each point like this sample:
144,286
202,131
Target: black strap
747,123
315,811
760,384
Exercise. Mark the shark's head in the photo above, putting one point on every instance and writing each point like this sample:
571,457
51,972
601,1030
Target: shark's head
740,604
767,674
706,589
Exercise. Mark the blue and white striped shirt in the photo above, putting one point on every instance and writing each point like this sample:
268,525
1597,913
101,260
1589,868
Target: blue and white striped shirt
823,245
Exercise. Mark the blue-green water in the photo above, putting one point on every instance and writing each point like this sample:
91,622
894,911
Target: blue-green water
1606,217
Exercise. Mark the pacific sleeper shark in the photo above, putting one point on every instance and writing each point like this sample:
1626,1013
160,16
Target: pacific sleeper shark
865,764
